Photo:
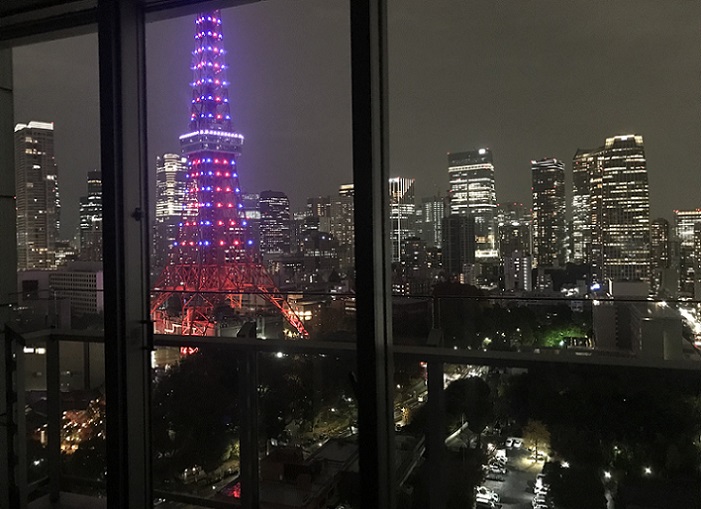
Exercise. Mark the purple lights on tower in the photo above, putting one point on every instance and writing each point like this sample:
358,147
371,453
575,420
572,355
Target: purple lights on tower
211,266
210,95
213,227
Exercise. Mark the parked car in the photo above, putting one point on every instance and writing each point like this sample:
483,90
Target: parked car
483,491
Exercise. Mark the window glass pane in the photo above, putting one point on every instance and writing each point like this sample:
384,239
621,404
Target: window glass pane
196,424
531,158
556,434
249,136
58,189
308,427
543,223
252,194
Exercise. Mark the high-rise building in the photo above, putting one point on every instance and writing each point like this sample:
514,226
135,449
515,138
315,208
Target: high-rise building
620,202
402,213
274,223
472,192
38,201
342,225
432,212
549,233
659,243
684,224
513,211
583,164
319,206
458,243
518,268
171,186
514,236
91,219
660,255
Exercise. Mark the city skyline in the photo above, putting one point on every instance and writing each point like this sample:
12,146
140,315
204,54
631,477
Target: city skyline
312,143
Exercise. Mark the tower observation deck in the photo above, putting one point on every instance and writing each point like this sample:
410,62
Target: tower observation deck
212,266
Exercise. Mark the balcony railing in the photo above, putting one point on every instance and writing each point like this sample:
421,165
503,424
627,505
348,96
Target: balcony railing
432,335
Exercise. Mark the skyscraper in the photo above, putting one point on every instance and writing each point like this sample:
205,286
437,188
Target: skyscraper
659,243
659,252
472,192
549,234
343,225
274,209
432,212
684,224
620,211
513,211
582,168
38,201
91,219
171,186
402,213
458,243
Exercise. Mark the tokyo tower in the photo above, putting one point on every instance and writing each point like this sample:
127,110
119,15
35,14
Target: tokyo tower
211,265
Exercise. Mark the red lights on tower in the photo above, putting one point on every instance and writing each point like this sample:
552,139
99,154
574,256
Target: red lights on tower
210,266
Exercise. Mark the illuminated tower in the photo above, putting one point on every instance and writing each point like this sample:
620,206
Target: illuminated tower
211,265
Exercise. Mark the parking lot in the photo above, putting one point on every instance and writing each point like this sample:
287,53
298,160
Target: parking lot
516,490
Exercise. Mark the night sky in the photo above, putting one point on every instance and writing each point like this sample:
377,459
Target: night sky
528,79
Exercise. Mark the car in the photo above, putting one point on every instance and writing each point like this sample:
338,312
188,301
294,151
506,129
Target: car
542,489
497,469
483,491
539,499
509,443
485,505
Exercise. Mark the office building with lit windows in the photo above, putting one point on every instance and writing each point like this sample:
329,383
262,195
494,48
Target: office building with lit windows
342,225
431,214
660,255
620,202
274,223
171,187
38,202
91,219
684,223
472,192
582,168
549,234
402,213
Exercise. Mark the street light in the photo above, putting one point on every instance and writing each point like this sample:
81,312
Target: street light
565,464
647,471
607,475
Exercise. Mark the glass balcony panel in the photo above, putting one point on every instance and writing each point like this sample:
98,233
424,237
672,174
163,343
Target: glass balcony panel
307,429
196,424
553,433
